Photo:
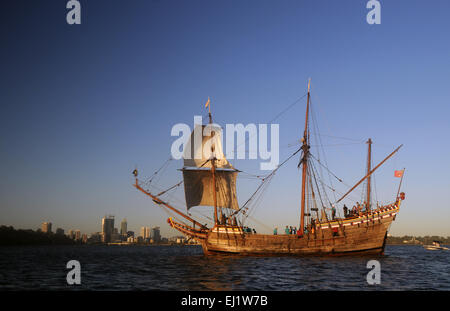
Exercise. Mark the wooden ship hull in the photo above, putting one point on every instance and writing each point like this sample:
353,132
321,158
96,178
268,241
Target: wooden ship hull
365,234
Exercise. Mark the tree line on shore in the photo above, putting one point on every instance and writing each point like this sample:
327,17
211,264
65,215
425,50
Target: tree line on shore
409,239
11,236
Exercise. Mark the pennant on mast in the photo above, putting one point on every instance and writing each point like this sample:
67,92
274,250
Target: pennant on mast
208,104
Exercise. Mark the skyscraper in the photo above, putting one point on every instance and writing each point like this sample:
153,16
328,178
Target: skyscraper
77,235
123,227
156,236
145,232
107,228
71,234
46,227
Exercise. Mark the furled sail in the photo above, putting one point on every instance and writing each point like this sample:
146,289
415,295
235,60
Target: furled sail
198,188
204,144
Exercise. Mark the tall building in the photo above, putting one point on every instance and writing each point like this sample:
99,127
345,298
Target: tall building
107,228
46,227
145,232
77,235
71,234
156,236
123,227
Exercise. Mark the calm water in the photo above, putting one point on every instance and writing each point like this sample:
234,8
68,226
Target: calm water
185,268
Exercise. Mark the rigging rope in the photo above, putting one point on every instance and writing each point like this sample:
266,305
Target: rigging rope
318,161
174,186
271,121
265,179
161,168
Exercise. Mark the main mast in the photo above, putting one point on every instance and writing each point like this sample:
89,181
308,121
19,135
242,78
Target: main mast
369,164
304,162
213,169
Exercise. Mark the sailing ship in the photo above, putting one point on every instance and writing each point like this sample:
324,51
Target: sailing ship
211,181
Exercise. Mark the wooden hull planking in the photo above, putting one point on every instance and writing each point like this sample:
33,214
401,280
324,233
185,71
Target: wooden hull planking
361,235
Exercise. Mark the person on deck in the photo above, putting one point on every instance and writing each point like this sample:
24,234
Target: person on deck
333,211
286,230
275,231
345,211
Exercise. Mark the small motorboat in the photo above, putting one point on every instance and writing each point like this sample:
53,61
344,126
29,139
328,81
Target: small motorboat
435,246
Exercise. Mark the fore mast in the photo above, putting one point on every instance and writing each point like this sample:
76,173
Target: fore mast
213,168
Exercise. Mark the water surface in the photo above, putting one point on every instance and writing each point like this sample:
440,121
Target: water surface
185,268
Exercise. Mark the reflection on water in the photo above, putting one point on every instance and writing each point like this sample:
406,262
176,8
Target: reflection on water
185,268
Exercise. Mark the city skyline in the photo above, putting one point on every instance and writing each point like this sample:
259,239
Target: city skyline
48,225
92,102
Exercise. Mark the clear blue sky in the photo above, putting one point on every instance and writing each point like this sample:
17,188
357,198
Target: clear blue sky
81,105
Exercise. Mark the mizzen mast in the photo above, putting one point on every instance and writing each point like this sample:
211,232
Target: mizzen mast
304,162
369,165
370,173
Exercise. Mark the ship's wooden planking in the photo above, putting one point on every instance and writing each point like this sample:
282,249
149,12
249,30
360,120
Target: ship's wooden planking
364,234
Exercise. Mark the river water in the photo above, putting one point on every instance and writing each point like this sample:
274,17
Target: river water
403,267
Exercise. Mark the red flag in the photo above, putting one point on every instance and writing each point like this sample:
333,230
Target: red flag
398,173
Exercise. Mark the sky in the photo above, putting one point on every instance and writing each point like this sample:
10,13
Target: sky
83,105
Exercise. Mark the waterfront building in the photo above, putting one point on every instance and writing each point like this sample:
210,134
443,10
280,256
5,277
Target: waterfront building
77,235
95,237
123,227
156,235
46,227
145,233
71,234
107,228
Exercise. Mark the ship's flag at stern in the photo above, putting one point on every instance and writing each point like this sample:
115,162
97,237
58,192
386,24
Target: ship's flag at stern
398,173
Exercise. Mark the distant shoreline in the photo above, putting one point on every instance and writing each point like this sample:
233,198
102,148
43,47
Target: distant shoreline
19,237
